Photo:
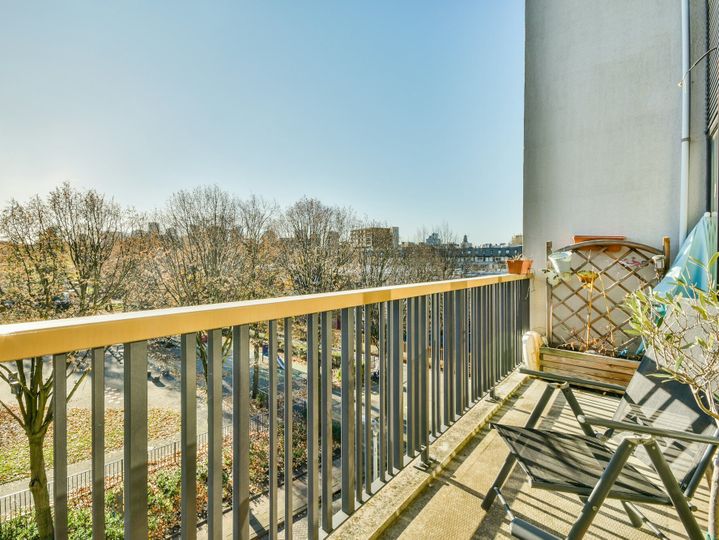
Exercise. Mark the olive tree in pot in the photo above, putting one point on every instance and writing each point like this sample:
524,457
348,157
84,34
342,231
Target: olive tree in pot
683,331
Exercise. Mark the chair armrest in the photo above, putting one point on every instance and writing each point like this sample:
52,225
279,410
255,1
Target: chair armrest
576,381
648,430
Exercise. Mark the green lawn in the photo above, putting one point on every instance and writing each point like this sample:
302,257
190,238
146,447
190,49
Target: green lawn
15,462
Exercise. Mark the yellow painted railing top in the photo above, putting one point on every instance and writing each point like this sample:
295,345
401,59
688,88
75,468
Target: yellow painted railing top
26,340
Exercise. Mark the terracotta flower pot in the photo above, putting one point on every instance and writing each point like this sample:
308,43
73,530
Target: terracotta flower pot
519,266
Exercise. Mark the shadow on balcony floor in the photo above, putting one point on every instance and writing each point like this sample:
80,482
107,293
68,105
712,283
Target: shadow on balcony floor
451,506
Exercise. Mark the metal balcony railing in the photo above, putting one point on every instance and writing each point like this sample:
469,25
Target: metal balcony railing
438,348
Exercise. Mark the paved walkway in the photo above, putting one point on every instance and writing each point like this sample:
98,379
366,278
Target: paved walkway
451,506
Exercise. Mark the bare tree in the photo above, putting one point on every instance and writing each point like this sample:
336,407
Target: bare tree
93,230
419,263
66,255
200,255
317,254
33,277
446,252
259,242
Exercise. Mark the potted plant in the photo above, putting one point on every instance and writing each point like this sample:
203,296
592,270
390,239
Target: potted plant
684,335
584,355
519,265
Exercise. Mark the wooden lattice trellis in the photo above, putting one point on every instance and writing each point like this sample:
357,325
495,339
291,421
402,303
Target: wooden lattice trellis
602,274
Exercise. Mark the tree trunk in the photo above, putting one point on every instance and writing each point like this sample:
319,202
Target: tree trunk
38,488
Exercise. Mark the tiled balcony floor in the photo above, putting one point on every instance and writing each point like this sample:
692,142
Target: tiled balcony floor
451,506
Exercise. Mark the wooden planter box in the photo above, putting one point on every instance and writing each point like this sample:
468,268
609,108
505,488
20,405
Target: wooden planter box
591,366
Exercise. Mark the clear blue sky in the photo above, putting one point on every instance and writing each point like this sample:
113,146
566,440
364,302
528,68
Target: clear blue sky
409,111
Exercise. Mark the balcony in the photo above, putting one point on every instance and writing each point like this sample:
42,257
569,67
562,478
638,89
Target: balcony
445,501
412,362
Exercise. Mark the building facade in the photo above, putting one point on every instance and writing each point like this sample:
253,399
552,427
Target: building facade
603,123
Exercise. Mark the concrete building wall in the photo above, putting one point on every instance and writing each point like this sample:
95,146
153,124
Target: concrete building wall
602,126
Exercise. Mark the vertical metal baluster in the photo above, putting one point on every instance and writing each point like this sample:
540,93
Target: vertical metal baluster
240,432
500,327
98,442
348,441
476,373
513,324
507,335
482,315
288,417
424,379
358,403
214,433
491,315
500,333
272,406
59,364
488,338
480,342
436,427
508,312
525,304
502,330
473,344
453,355
446,357
326,414
135,459
465,350
492,334
457,352
496,299
396,388
188,435
313,401
410,377
382,392
520,326
467,347
463,346
417,347
368,454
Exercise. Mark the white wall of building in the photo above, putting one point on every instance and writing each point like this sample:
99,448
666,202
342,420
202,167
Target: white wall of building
602,126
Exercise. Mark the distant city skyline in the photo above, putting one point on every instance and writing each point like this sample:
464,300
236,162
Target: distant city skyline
406,112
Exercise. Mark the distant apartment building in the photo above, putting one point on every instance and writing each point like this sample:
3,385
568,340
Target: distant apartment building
517,240
433,240
375,237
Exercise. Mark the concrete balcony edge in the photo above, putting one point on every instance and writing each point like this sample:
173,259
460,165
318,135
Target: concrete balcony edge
373,517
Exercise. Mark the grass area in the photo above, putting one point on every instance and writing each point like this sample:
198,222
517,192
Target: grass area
15,462
164,490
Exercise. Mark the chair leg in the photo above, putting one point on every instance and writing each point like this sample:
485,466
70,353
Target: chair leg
511,460
519,528
601,490
635,517
674,491
498,482
632,510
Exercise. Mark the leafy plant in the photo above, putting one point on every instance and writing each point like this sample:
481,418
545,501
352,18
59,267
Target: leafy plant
683,331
